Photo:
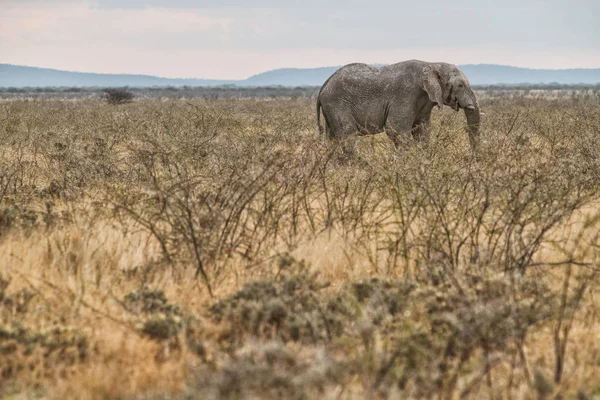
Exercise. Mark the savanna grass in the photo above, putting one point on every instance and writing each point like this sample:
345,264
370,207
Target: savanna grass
221,248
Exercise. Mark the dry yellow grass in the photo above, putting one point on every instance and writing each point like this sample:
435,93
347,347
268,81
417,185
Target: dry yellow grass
116,221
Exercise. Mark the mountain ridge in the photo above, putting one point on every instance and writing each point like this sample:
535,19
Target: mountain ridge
478,74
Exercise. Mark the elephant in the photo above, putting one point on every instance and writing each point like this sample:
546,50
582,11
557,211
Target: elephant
359,99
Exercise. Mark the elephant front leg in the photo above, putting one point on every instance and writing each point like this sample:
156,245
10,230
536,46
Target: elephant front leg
420,132
399,132
421,126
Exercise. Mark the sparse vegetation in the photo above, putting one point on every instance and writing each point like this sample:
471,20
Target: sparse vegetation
522,91
220,248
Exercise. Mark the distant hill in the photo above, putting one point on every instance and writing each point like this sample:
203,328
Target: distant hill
291,77
491,74
20,76
480,74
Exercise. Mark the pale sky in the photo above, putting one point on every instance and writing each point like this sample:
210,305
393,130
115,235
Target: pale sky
233,39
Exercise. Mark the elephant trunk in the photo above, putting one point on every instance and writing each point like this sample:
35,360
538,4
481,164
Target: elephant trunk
473,120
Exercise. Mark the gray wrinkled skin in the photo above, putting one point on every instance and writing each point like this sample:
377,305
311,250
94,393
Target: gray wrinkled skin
361,99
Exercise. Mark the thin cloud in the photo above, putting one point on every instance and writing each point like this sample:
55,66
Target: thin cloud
56,23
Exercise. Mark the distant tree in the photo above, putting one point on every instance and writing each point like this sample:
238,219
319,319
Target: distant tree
117,96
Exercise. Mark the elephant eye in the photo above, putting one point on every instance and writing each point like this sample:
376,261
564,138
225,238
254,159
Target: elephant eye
461,85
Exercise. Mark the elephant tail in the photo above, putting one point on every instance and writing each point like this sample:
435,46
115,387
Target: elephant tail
319,115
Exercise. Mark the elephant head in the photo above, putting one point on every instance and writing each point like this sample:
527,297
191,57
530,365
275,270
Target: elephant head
447,85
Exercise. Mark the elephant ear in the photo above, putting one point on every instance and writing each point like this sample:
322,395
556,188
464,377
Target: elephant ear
430,82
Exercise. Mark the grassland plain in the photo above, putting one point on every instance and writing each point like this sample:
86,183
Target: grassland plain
220,249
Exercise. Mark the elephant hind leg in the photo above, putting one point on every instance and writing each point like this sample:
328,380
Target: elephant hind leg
341,126
341,133
330,134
